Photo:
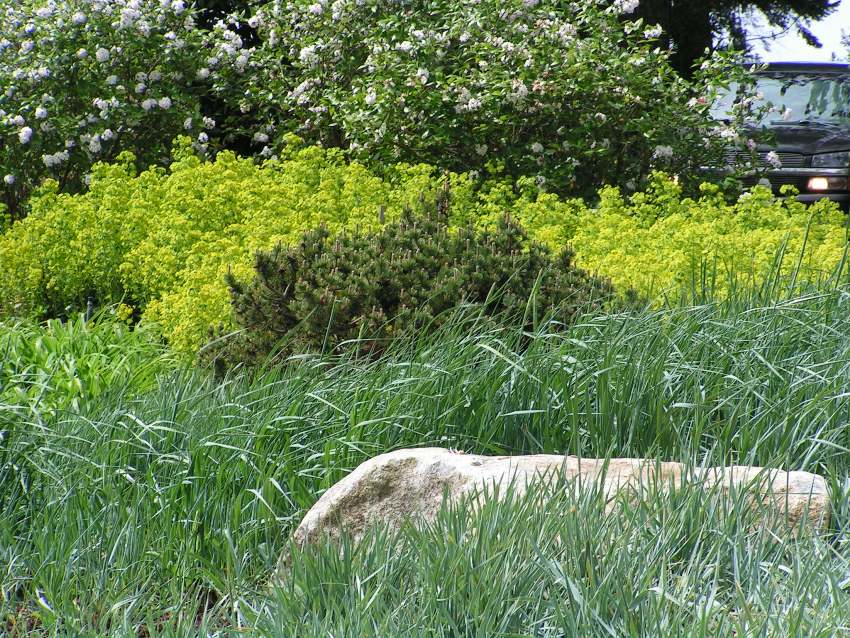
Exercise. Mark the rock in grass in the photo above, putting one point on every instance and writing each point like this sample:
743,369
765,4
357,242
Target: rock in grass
392,487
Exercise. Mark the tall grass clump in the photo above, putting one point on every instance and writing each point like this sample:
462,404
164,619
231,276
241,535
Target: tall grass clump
164,512
61,364
669,565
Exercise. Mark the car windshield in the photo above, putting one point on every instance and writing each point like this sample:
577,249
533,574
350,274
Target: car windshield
798,97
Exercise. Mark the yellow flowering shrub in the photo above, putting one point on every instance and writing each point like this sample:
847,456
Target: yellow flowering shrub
315,187
69,248
545,217
161,241
660,243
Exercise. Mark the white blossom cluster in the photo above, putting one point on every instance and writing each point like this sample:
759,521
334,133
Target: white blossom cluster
55,159
466,102
230,49
772,158
662,152
541,85
75,73
653,32
626,6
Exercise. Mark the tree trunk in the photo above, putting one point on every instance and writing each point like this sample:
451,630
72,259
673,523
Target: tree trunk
687,23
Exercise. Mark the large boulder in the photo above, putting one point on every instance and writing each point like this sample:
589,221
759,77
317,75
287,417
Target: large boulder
392,487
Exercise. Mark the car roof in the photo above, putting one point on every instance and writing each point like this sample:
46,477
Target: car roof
807,67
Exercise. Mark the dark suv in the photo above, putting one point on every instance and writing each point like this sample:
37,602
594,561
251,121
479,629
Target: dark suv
810,127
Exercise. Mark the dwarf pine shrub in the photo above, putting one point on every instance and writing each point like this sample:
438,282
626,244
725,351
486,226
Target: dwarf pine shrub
367,288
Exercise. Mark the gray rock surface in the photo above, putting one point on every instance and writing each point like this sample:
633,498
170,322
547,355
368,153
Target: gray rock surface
390,488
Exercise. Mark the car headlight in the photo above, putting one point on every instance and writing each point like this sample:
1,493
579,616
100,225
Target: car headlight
831,160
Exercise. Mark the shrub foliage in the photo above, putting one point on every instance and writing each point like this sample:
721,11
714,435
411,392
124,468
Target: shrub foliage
83,81
574,94
663,244
372,287
162,241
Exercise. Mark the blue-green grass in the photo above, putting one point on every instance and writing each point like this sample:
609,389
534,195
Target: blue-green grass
162,512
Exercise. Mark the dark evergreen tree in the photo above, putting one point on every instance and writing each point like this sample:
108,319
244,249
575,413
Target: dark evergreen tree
363,290
694,25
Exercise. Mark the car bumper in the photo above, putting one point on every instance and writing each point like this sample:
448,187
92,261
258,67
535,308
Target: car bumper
799,178
796,177
842,199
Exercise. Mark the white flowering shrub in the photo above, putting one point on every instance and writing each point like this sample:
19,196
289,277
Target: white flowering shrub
83,80
572,94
